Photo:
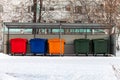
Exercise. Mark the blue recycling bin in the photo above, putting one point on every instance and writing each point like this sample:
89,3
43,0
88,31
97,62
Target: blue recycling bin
38,46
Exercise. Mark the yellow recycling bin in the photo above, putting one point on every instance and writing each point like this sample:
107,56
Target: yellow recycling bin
56,46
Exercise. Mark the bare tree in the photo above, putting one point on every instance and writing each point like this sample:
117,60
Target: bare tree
35,11
34,14
40,11
94,11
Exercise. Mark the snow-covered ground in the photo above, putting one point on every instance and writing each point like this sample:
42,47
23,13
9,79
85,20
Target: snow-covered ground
59,68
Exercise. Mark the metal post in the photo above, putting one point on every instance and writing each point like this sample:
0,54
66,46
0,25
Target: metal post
86,34
34,33
60,39
8,42
60,31
3,36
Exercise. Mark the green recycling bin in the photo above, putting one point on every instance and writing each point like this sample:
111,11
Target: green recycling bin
82,46
100,46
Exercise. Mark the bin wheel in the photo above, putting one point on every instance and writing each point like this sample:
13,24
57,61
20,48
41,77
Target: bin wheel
23,54
12,54
61,54
105,54
86,54
34,54
76,54
95,54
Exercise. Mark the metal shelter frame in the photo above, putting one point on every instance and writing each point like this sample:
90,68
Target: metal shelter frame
60,26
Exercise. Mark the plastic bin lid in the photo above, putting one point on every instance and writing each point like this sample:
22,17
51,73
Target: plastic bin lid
56,39
100,39
81,39
37,39
17,39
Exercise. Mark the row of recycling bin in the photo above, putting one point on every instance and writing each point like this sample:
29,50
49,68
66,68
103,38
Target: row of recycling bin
56,46
37,46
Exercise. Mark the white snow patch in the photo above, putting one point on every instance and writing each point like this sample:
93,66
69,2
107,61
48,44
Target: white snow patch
57,68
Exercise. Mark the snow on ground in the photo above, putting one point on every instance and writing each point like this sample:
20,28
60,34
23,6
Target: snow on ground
59,68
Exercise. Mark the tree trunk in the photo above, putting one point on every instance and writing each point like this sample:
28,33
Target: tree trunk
34,14
40,14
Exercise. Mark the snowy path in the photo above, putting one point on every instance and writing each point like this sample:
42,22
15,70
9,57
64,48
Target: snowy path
57,68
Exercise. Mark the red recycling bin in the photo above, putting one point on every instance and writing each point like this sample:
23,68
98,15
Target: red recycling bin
18,46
